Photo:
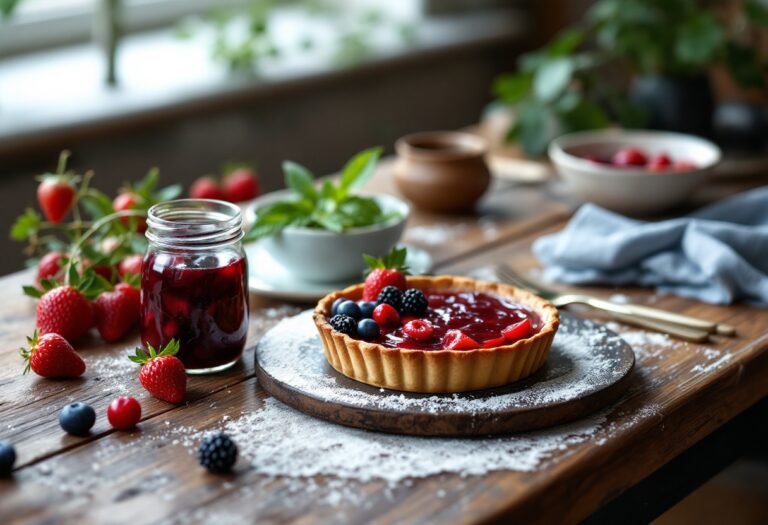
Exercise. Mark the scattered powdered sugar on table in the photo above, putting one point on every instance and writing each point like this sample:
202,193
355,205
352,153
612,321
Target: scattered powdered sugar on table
646,345
280,441
713,365
433,235
298,368
112,370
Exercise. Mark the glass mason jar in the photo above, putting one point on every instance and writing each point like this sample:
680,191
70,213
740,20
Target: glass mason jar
194,283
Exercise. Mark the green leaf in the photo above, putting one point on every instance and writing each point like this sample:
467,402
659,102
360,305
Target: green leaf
536,126
744,65
566,43
300,180
585,115
513,88
31,291
552,78
26,225
699,39
96,204
168,193
328,191
7,7
757,12
358,170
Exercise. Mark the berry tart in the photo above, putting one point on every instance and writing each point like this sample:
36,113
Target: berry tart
436,334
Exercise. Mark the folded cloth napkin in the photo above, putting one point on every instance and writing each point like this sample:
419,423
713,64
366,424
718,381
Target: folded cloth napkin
718,254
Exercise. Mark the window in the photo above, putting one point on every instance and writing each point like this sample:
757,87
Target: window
39,24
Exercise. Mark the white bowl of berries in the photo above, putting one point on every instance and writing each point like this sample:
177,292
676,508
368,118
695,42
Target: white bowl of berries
634,172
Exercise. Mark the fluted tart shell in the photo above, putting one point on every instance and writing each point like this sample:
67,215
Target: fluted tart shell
439,371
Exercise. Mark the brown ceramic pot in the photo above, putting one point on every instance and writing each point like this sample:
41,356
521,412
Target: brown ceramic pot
442,171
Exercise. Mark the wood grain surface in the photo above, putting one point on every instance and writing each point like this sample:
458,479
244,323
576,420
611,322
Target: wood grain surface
680,393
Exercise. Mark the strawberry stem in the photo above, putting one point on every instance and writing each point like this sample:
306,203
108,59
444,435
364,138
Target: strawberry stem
75,250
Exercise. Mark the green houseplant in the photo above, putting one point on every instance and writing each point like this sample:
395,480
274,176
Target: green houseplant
666,46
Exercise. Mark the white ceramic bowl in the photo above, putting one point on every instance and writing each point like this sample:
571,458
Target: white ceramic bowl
324,256
632,190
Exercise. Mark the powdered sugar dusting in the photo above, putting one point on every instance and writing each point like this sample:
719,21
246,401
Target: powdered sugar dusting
289,353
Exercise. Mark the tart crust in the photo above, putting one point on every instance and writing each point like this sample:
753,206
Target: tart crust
439,371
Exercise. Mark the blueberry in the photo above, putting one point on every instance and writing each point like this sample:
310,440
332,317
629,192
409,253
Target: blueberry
7,458
217,453
351,309
336,303
368,329
77,418
366,308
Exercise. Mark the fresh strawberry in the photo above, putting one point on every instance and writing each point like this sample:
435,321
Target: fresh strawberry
660,162
49,266
206,188
129,201
419,329
518,330
64,310
56,194
629,157
458,340
51,356
131,265
389,270
241,185
103,270
493,343
162,374
116,312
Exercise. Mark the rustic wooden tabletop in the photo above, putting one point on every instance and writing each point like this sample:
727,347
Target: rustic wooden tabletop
681,393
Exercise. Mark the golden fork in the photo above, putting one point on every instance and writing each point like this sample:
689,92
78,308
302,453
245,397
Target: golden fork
681,326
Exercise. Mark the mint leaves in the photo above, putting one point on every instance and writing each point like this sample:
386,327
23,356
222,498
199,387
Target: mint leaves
330,207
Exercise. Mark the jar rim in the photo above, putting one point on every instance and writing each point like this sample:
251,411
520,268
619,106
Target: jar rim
194,223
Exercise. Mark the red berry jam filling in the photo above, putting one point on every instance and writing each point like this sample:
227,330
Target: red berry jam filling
201,301
480,317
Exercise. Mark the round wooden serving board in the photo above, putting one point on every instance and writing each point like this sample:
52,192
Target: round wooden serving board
588,368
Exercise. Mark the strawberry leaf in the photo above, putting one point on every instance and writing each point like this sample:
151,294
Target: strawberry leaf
32,291
26,225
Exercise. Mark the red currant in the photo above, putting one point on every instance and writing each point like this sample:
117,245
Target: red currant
386,315
684,165
123,413
418,329
518,330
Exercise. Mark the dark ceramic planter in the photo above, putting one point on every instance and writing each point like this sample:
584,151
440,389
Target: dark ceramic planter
682,104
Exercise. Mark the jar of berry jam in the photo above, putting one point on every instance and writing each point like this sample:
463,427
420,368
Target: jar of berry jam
194,283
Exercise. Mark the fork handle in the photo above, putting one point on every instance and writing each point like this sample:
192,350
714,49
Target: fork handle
655,314
687,334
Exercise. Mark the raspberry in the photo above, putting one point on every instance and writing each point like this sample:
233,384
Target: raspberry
414,303
458,340
344,324
418,330
391,296
217,453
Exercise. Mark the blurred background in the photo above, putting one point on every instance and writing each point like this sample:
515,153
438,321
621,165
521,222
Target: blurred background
188,85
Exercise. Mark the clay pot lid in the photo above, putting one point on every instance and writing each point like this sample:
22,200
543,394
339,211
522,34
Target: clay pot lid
441,145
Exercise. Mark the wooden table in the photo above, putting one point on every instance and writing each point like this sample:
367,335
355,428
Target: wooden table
681,394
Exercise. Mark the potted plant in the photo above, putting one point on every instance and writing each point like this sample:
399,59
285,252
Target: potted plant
668,48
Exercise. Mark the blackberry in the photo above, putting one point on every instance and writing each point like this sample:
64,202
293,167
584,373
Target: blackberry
7,459
392,296
414,303
217,453
344,324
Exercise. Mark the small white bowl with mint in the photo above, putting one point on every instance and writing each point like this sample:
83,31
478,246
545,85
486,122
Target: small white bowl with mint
320,232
